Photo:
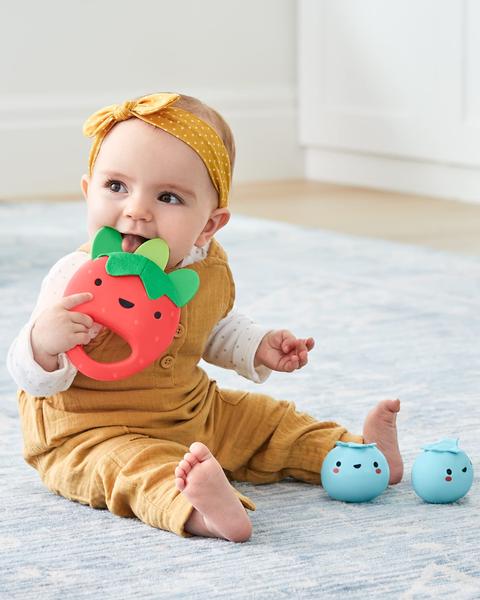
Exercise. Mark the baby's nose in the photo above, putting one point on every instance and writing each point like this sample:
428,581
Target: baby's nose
138,209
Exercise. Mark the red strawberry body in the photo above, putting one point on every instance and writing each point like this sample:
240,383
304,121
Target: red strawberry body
121,304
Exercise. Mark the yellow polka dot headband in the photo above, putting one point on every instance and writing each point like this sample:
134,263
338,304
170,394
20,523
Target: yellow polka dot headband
156,109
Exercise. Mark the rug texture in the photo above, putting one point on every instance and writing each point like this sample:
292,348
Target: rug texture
389,321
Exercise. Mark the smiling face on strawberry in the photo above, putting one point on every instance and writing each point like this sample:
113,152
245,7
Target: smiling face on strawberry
133,297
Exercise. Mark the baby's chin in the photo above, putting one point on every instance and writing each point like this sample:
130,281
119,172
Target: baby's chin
174,264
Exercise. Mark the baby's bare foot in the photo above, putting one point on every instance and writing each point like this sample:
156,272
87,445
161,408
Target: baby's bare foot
380,427
201,478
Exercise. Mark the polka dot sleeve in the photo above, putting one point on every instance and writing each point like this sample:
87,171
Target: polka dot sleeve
233,343
23,368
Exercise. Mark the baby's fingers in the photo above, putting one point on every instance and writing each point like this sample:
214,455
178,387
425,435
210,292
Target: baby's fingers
289,364
81,319
303,358
79,328
69,302
298,345
303,348
288,342
79,339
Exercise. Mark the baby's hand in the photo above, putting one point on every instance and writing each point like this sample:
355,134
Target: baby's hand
58,329
282,351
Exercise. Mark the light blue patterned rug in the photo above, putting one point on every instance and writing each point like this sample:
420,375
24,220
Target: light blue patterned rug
389,321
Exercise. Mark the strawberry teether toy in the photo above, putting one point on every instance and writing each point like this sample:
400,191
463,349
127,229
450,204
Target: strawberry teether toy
133,297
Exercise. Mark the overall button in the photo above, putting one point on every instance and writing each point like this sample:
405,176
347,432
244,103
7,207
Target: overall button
167,361
180,331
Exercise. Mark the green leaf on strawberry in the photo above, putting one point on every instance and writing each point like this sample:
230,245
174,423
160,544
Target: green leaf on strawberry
148,262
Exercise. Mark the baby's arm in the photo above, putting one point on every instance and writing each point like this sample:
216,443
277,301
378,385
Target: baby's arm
236,342
233,344
36,358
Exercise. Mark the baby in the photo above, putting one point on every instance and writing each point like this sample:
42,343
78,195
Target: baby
163,444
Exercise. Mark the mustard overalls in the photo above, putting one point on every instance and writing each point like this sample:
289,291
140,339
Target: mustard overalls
116,444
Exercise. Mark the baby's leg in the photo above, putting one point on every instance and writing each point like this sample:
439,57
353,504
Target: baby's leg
132,475
381,427
265,440
218,512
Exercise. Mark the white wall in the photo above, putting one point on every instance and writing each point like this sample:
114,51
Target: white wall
389,94
60,60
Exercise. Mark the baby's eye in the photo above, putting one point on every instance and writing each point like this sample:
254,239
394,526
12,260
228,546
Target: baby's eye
170,198
115,186
449,471
464,470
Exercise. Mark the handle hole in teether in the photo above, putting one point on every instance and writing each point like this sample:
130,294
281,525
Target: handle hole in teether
119,345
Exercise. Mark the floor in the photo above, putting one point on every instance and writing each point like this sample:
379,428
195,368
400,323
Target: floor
440,224
390,320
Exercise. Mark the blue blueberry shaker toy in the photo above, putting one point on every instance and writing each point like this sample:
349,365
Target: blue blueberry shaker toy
355,472
442,473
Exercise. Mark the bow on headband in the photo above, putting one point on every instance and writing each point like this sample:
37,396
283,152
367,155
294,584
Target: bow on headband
157,110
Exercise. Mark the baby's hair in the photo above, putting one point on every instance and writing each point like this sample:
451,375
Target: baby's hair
213,118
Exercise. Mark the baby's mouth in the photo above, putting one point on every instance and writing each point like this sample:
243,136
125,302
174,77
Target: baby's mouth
131,242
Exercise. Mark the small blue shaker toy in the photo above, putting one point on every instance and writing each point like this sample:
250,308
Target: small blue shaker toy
355,472
442,473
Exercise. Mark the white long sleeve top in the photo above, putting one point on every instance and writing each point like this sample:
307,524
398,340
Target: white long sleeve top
232,344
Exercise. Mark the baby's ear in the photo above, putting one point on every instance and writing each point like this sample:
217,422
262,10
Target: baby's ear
218,219
84,183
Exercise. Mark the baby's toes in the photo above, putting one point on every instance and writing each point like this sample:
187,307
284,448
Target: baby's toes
179,472
191,459
200,452
186,466
180,483
180,478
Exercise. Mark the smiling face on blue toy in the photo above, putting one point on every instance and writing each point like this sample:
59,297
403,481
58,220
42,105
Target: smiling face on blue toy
442,473
355,472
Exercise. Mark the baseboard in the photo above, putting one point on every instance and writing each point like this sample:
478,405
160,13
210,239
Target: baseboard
43,152
395,174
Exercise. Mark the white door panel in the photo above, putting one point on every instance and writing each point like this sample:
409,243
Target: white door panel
391,77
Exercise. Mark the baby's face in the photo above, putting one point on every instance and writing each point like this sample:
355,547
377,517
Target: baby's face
146,184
